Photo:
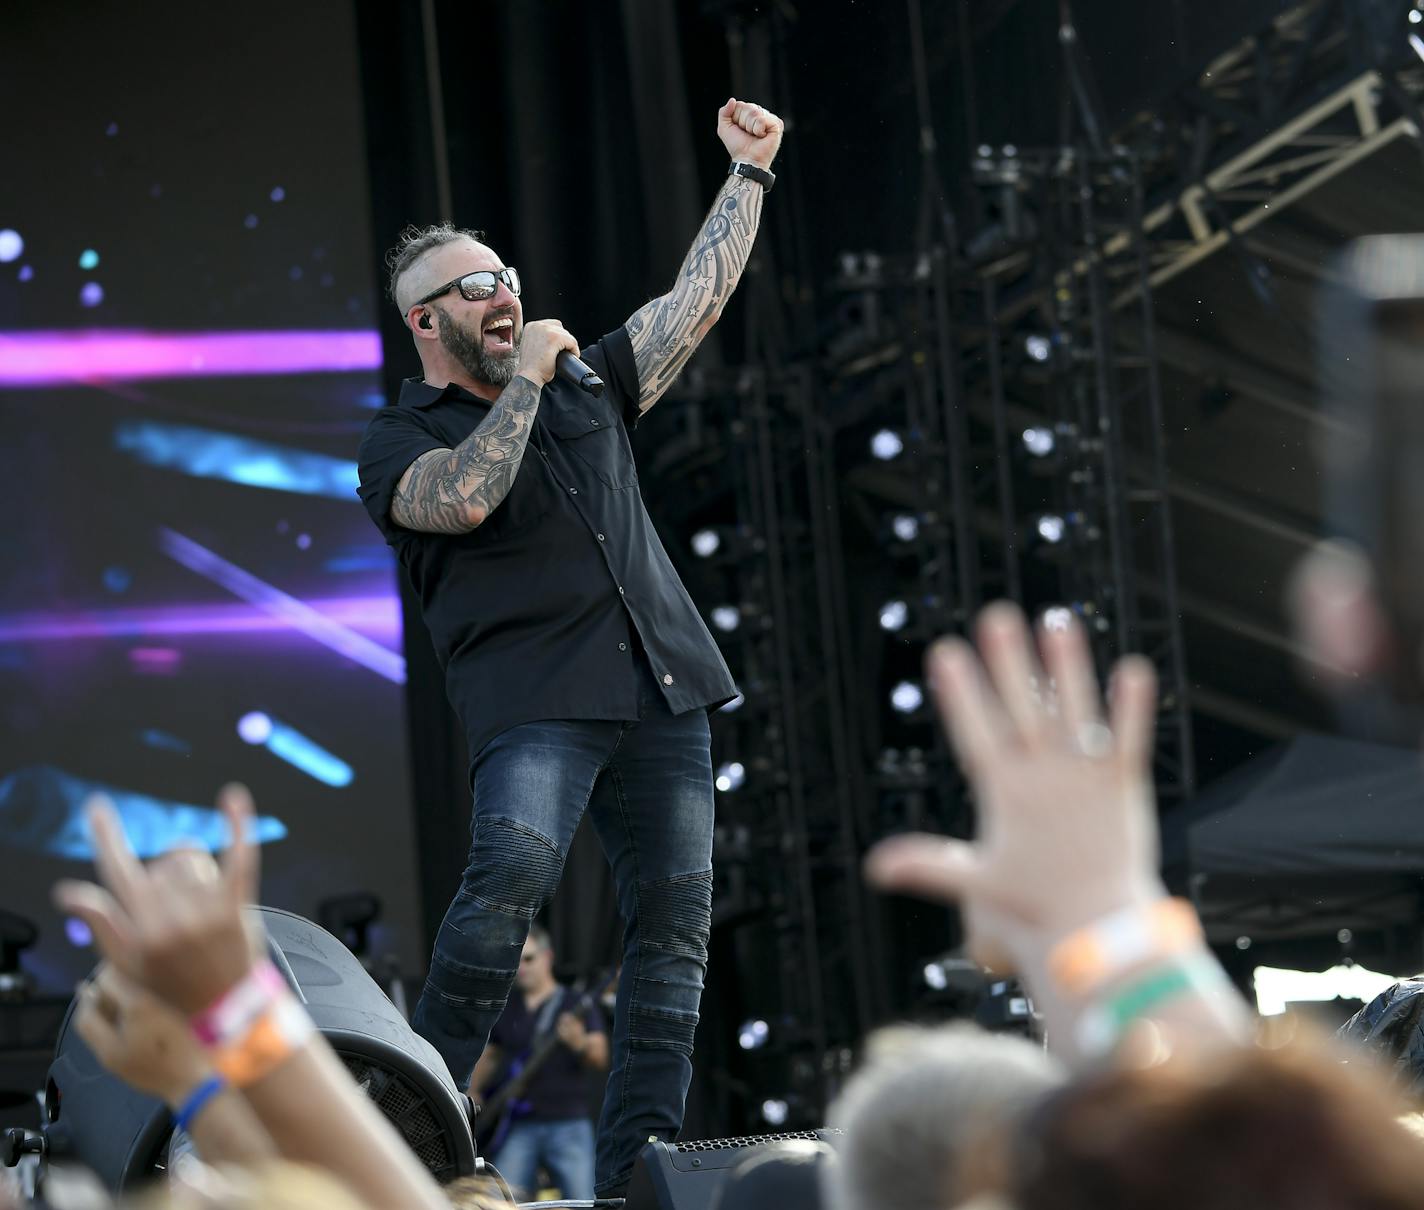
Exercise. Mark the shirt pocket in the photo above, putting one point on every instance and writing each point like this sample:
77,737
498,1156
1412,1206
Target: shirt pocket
589,430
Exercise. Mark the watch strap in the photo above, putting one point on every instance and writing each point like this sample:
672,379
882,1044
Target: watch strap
752,172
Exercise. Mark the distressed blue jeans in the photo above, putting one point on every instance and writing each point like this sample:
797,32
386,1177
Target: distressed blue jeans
564,1148
647,786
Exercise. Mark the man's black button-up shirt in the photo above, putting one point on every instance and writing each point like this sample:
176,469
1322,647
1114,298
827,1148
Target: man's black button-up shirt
530,611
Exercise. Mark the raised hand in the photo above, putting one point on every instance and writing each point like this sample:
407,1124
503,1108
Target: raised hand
749,132
1067,829
139,1038
174,926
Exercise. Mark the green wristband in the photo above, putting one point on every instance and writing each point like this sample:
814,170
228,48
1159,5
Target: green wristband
1103,1025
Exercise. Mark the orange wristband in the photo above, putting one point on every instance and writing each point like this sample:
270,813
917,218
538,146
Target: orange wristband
270,1041
1086,959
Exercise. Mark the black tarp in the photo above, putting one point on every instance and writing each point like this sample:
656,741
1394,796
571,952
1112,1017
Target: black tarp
1316,835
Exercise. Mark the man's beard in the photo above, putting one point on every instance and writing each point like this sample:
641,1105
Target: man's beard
470,352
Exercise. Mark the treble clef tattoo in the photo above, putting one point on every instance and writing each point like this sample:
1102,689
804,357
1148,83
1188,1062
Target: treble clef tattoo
718,228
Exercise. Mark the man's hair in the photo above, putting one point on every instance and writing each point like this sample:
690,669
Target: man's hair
1247,1127
539,935
414,242
922,1116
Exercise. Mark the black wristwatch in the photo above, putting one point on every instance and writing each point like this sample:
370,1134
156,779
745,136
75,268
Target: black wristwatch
760,175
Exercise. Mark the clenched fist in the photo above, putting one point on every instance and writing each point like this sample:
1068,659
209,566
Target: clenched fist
749,132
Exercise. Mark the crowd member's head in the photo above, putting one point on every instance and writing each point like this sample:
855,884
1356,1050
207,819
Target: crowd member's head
536,962
923,1119
475,1193
1246,1129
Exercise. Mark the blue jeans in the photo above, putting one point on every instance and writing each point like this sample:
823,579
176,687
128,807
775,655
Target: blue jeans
648,788
565,1149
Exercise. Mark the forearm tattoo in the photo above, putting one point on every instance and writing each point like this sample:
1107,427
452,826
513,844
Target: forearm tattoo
452,491
667,331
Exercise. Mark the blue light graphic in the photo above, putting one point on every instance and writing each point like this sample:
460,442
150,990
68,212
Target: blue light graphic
210,454
42,811
164,741
295,613
359,558
288,744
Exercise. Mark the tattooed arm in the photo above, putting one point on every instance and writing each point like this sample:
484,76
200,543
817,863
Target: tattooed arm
453,491
666,332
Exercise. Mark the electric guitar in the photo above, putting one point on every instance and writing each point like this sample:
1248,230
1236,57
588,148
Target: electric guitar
504,1107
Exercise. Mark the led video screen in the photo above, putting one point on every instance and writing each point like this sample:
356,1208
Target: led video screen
191,591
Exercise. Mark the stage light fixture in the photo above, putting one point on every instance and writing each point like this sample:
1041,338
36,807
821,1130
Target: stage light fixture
774,1111
1038,347
1415,16
907,697
887,445
1039,440
705,543
726,618
905,526
753,1034
1051,527
894,615
730,776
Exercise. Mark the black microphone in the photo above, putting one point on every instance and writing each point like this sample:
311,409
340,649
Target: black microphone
578,373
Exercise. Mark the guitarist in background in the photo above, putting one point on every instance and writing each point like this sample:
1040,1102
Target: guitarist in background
549,1123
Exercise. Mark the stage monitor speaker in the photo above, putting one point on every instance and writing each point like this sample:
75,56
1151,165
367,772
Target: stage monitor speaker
690,1175
123,1135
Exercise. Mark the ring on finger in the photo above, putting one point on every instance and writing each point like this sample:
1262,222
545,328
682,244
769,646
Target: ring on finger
1093,740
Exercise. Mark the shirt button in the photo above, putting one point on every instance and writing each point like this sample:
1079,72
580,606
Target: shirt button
667,678
573,491
620,590
595,423
601,538
622,646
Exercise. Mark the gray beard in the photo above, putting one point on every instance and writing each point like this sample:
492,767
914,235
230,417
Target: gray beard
470,352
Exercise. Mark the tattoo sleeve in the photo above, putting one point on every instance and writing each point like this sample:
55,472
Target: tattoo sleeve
667,331
453,491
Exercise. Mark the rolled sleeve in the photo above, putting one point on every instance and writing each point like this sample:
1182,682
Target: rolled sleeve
394,439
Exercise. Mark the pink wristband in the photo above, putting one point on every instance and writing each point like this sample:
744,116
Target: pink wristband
232,1014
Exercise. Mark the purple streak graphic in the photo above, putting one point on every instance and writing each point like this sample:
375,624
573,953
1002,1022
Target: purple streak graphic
49,359
297,614
378,615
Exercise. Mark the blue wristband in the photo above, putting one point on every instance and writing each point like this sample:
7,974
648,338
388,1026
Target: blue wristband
199,1097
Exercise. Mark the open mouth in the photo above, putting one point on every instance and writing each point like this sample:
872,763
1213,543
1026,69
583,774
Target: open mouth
500,332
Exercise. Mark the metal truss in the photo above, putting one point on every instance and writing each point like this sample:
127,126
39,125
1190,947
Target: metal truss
791,837
1325,85
1062,358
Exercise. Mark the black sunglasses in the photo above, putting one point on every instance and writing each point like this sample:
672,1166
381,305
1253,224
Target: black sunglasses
477,286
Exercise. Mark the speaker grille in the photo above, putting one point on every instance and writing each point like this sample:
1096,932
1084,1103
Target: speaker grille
748,1140
408,1111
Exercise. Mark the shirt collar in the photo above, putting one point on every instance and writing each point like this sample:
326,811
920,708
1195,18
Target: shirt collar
417,393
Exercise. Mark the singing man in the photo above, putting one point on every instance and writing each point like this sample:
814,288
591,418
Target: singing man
581,670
